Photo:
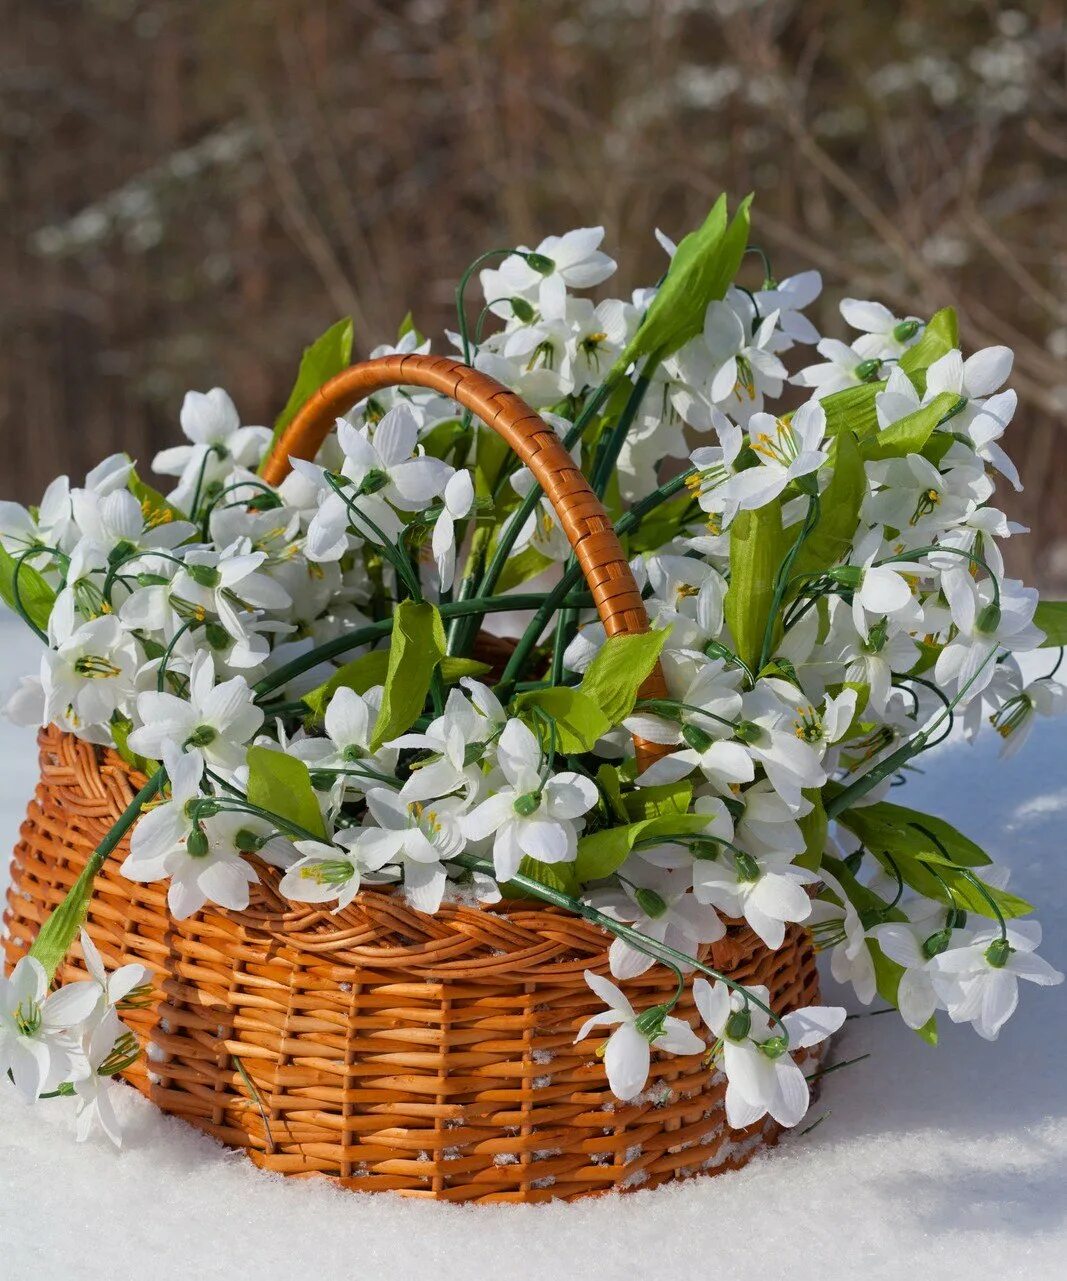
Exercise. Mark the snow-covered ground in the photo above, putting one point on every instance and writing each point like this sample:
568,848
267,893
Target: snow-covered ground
947,1163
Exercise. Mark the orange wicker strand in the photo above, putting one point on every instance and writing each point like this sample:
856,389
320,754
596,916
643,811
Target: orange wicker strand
388,1050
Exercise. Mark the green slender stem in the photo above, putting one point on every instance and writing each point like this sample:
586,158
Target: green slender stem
348,641
661,952
781,579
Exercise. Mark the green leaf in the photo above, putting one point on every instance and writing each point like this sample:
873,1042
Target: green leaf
853,409
909,435
664,798
441,440
34,594
892,827
813,826
326,357
1051,617
757,547
363,673
557,876
579,721
522,567
607,778
603,852
280,784
660,526
940,336
830,541
701,270
621,666
416,647
121,726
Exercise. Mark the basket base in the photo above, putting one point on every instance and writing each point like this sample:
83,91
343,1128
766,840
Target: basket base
378,1047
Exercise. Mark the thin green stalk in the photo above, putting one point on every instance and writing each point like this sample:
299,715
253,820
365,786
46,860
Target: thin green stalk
781,579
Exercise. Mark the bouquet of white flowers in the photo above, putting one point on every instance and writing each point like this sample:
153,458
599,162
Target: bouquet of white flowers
291,657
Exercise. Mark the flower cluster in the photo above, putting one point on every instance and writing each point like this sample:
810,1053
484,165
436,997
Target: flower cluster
296,665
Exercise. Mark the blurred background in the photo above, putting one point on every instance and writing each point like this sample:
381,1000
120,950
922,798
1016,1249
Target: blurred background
189,193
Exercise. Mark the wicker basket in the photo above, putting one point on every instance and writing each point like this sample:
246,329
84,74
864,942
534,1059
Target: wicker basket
387,1049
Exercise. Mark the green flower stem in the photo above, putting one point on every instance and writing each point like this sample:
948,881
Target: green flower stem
375,631
462,638
781,579
57,933
661,952
849,795
556,598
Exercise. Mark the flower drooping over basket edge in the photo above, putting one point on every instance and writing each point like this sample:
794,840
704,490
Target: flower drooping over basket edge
293,665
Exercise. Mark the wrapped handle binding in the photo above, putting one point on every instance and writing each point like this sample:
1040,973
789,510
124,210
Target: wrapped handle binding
581,514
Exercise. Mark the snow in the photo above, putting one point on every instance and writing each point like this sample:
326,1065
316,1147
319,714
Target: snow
947,1162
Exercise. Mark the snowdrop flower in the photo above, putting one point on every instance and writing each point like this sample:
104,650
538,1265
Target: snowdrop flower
456,742
115,987
985,429
786,451
983,626
979,984
659,904
533,814
843,367
36,1043
980,375
421,837
767,824
598,335
781,744
219,443
576,263
228,584
1014,718
89,676
342,762
115,523
715,466
884,336
108,1047
628,1051
766,889
837,928
789,298
728,368
387,462
458,499
215,720
761,1075
870,660
197,854
883,591
326,872
919,499
915,945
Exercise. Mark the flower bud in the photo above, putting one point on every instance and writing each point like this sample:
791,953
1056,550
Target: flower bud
248,842
120,551
152,580
321,780
204,575
651,903
545,266
936,943
774,1047
696,738
847,575
197,845
527,804
989,619
522,309
747,867
867,370
202,736
650,1022
956,919
739,1024
374,480
998,952
905,330
747,732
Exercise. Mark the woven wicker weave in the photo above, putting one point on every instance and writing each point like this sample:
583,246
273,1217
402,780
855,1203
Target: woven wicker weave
387,1049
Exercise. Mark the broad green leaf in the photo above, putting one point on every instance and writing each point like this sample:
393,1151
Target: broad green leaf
940,336
892,827
491,454
621,666
757,547
556,876
813,827
519,569
910,434
121,726
327,356
579,721
441,440
603,852
660,526
34,595
607,777
664,798
853,409
280,784
701,270
831,540
363,673
1051,617
416,647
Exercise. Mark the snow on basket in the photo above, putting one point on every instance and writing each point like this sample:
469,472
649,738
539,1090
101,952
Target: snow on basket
316,877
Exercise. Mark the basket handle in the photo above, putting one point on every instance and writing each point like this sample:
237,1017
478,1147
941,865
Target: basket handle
582,516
